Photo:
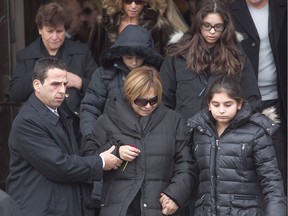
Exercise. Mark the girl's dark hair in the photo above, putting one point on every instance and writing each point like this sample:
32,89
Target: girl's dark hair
227,84
224,58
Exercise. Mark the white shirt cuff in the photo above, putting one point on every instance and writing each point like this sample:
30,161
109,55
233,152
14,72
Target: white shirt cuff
103,161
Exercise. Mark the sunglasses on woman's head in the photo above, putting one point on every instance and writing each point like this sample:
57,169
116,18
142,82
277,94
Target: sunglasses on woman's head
143,102
136,1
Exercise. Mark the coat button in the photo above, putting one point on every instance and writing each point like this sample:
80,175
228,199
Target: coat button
253,44
76,113
145,205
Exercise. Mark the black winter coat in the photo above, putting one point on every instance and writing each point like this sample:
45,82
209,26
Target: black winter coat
184,90
46,168
8,206
164,164
278,41
108,80
238,173
105,83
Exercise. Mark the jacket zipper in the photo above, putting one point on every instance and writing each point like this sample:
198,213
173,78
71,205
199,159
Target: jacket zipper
141,203
243,151
196,151
245,197
215,174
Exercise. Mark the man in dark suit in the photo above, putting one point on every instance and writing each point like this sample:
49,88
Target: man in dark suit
263,25
46,168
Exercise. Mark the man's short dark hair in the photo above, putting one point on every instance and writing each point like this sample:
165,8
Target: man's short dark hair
43,65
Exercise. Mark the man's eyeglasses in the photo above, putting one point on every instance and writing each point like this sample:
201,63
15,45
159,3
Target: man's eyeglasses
138,2
207,27
143,102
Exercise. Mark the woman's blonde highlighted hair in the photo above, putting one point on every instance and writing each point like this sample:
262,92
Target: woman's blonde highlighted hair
140,80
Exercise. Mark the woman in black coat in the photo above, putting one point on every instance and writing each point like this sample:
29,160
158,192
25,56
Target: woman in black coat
208,50
157,176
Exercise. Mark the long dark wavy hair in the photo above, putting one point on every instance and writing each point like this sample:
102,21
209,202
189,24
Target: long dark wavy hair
224,58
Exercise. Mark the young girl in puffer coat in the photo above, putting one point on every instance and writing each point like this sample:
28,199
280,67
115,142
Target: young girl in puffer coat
237,166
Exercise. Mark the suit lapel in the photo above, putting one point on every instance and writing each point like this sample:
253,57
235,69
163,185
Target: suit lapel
241,13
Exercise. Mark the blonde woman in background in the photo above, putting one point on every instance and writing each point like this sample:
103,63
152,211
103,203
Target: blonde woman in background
117,14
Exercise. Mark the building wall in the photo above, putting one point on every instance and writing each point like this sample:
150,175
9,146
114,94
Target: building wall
5,65
11,40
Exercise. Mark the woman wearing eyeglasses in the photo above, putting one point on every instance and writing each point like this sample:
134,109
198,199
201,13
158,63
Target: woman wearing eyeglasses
117,14
156,177
208,50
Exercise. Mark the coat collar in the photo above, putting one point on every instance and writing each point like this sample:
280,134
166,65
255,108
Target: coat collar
203,120
41,108
205,123
240,11
127,122
70,48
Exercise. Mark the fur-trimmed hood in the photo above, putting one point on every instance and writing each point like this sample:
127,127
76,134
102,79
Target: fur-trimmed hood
268,119
271,113
175,37
133,40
